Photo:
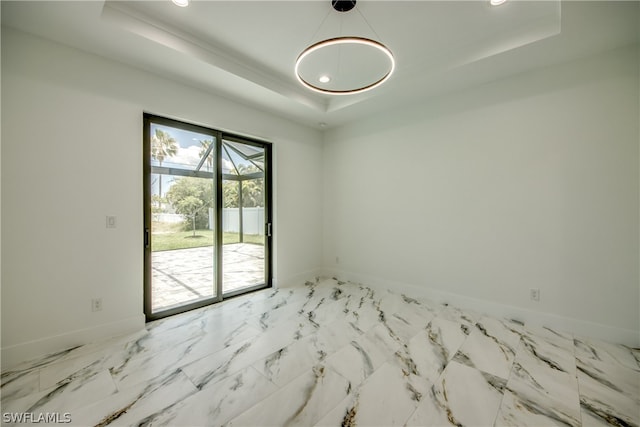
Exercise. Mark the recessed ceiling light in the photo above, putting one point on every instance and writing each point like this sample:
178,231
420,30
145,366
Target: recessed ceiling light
181,3
324,79
497,2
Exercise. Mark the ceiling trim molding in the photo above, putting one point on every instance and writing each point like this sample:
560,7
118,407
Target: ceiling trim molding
125,17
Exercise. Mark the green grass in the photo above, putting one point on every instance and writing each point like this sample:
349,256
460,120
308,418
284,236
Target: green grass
169,239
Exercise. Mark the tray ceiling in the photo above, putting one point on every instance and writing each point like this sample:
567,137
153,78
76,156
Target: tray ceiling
247,49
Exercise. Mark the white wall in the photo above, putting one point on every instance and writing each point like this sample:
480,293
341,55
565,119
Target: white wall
528,182
72,154
476,197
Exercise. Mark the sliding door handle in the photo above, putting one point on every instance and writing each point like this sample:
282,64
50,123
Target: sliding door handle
268,229
147,240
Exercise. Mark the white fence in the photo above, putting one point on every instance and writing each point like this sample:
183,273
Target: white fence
168,217
253,220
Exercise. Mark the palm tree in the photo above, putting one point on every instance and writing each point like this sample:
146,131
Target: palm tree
163,145
230,193
252,189
205,146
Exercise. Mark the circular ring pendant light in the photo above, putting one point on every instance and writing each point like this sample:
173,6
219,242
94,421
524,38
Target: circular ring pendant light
361,64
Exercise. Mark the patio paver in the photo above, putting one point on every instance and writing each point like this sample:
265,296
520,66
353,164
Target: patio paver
183,275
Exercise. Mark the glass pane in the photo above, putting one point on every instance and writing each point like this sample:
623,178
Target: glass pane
180,149
243,216
245,150
236,161
183,217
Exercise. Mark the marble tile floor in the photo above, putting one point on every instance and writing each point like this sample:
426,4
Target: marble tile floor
186,275
333,353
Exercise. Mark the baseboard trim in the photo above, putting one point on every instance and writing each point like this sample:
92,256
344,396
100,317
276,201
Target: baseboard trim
297,279
15,354
577,327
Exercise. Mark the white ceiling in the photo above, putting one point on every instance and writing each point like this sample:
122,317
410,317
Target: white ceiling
247,49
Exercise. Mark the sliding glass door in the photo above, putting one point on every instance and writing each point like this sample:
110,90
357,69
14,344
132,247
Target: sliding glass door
207,216
243,215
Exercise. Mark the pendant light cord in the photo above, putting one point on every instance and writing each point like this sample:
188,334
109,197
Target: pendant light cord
364,18
370,27
318,29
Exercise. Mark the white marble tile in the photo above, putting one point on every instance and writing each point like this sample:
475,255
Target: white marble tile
355,297
544,373
387,302
258,303
538,393
392,333
433,348
335,334
117,358
65,397
386,398
123,353
467,318
333,352
270,317
552,349
136,405
319,299
601,405
384,340
289,362
184,326
17,384
40,362
215,331
490,347
80,367
364,317
293,360
220,338
554,337
303,401
320,292
217,403
401,329
612,376
143,367
322,314
589,348
609,392
357,360
249,308
415,312
76,352
517,411
230,360
461,396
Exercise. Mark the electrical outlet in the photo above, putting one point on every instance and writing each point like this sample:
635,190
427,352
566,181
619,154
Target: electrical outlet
111,221
96,304
534,294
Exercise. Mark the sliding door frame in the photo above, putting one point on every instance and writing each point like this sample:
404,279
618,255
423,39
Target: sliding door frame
268,213
218,177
